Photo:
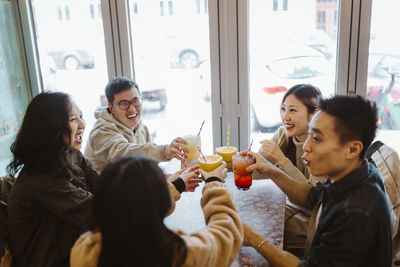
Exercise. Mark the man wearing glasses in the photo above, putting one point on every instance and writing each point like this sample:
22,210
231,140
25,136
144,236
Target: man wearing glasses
119,130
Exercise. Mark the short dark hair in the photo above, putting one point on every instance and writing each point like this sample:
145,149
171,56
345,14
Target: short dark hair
130,203
118,85
355,118
308,94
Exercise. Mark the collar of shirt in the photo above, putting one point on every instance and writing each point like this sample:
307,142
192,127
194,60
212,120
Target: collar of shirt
330,190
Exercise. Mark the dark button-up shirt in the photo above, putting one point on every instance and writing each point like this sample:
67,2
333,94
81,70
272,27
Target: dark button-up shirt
354,228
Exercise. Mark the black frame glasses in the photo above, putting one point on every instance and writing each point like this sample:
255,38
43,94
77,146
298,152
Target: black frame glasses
125,104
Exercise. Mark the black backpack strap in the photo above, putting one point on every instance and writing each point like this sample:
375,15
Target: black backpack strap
372,149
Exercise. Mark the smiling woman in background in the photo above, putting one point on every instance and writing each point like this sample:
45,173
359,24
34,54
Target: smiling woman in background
298,106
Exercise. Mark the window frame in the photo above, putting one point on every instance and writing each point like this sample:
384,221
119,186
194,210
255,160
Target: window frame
228,21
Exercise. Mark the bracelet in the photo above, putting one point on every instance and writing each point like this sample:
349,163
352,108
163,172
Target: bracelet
260,245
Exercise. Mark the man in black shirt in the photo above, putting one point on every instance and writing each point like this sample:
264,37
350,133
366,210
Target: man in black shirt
350,216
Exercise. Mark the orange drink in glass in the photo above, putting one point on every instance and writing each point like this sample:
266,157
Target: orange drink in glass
227,153
210,162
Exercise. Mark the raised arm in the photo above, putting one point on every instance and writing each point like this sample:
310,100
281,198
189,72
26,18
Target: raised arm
296,191
219,243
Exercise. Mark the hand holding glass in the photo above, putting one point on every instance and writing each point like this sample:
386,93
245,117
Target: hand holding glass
243,179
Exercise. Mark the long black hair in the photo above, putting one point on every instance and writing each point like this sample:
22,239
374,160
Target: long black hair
310,96
130,203
40,145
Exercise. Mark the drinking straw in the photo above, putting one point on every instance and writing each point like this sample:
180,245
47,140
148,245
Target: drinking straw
201,127
227,138
201,154
182,153
251,143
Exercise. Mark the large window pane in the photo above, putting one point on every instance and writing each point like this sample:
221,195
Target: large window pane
170,45
14,96
383,84
291,42
72,52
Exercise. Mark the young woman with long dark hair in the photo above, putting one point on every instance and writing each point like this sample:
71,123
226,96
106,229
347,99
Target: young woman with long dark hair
49,204
284,149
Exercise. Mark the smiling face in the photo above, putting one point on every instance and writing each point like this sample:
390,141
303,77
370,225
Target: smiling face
295,117
324,154
76,124
130,117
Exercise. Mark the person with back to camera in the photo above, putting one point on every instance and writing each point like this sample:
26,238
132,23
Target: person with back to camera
298,106
350,210
130,204
119,129
50,203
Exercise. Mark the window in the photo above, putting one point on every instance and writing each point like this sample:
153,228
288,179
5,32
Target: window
14,96
174,73
285,50
383,83
63,12
285,5
321,20
161,8
170,8
95,11
201,7
275,5
135,8
76,57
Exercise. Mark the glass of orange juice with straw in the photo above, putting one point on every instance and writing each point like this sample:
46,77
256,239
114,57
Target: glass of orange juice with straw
226,152
210,162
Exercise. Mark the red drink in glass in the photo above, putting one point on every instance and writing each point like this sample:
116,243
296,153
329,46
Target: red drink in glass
243,179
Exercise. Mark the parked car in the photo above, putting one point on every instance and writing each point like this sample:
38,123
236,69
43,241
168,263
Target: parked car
273,74
187,51
320,41
284,67
72,59
384,89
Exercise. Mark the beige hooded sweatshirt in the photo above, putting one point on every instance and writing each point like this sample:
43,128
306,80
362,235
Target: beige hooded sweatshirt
109,139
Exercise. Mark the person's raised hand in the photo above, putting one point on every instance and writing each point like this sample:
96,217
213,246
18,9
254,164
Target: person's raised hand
173,176
272,152
263,166
191,177
174,150
220,172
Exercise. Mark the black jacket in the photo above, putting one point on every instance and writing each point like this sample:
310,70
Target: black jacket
355,227
47,213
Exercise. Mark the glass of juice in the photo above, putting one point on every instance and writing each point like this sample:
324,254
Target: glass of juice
192,156
243,179
210,162
227,153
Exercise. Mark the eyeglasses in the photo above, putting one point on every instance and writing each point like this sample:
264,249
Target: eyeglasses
124,104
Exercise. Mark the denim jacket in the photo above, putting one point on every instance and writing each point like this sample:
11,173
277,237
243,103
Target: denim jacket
354,228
